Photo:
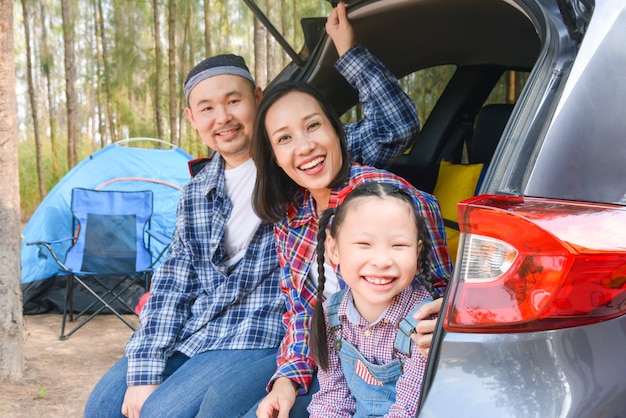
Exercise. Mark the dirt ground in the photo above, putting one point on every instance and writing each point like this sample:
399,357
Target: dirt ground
59,375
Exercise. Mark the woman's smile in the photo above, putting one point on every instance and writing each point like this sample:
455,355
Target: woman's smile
312,163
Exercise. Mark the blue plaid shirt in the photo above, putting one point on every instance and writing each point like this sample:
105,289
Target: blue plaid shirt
197,303
389,116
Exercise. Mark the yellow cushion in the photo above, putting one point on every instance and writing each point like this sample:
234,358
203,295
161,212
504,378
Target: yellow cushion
455,182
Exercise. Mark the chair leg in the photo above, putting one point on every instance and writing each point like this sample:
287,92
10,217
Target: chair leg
69,284
115,294
104,303
103,300
147,280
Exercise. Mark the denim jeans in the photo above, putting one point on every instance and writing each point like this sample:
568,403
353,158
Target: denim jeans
226,382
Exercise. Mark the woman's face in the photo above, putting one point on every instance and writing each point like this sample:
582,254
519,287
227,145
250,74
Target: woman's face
304,142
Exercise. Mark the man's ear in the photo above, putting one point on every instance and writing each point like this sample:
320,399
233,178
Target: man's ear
332,250
258,94
190,117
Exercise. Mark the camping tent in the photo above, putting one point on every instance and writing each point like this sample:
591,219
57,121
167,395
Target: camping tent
119,166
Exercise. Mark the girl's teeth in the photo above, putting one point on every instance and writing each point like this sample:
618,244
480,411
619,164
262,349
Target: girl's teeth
376,280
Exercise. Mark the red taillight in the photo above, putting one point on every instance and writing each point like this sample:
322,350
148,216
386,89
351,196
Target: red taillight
535,264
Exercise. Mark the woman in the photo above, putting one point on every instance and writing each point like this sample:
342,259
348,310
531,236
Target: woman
300,151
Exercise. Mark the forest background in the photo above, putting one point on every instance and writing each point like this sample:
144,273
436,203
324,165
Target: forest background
92,72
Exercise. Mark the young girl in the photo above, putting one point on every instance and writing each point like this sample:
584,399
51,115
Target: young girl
367,366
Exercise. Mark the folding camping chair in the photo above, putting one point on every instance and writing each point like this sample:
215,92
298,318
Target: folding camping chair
110,251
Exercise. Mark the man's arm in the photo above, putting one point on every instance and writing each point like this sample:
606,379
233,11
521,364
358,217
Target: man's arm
160,319
390,119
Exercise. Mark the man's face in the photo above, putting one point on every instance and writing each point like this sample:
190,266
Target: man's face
222,109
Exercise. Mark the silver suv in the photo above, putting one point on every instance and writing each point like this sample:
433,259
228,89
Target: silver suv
533,93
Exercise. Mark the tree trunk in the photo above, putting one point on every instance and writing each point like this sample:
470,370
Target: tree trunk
101,110
207,28
106,79
11,319
173,85
260,51
47,64
511,88
34,106
158,60
67,12
186,54
274,50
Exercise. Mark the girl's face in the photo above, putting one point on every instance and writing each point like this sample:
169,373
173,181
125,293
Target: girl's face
304,142
377,249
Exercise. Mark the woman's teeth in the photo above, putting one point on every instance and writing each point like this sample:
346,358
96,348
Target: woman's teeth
311,163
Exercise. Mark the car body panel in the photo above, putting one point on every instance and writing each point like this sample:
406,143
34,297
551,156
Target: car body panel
561,373
558,144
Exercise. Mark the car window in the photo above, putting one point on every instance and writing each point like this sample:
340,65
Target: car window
508,88
424,87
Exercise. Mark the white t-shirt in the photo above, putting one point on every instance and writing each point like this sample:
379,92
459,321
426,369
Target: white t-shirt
331,285
243,222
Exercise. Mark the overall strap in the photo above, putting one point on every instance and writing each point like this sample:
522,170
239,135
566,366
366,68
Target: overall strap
332,309
406,327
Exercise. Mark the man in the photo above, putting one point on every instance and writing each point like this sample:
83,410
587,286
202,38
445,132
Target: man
213,322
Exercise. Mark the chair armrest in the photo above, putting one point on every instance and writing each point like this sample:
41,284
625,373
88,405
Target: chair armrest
57,241
162,238
49,247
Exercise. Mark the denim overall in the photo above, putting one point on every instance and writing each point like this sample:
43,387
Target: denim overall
372,399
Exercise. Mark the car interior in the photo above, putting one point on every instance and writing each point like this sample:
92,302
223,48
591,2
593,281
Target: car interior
482,41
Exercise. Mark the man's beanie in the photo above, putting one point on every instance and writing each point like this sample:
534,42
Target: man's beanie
217,65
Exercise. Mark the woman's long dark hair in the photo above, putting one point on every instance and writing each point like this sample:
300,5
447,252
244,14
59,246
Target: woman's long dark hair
318,339
274,189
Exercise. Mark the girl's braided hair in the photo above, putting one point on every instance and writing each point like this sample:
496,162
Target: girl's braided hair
318,338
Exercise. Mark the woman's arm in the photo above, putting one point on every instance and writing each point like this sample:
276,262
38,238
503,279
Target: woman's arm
390,119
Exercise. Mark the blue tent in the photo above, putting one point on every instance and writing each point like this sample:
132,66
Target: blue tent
119,166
